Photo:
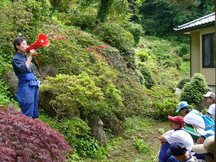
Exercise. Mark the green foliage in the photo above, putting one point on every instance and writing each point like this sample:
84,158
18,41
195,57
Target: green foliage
186,57
76,92
183,82
134,97
163,102
184,50
84,17
136,30
5,95
169,14
116,36
77,133
148,80
81,93
167,78
142,147
143,55
103,11
193,91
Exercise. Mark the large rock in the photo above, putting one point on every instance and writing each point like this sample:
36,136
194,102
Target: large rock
114,123
97,129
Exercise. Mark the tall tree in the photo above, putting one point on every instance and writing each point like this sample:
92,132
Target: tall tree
103,11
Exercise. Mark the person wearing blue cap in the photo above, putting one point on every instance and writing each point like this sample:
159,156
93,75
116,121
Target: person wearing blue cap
183,108
179,151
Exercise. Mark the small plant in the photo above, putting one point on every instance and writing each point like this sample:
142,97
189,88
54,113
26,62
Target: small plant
5,96
27,139
142,147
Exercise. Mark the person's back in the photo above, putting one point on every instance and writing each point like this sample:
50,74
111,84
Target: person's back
211,111
177,134
195,119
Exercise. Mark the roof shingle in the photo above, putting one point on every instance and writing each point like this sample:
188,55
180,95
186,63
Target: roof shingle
205,20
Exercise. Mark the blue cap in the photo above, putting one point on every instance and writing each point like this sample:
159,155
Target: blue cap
181,105
177,149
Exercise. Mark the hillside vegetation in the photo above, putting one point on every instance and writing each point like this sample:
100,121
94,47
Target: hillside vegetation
99,75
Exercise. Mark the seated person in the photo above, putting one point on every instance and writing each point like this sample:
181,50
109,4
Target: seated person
209,98
178,151
201,140
207,148
211,111
176,134
183,108
209,101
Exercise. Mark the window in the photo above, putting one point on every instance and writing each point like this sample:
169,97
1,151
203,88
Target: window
208,59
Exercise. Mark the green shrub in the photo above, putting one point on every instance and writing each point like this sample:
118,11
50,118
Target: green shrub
5,95
184,49
163,101
82,93
77,133
143,55
136,30
167,77
149,82
134,97
116,36
84,20
186,57
193,91
183,82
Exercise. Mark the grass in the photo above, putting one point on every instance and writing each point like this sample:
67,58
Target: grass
139,141
185,68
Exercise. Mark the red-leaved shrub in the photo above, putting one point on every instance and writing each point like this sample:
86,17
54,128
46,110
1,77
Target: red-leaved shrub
23,139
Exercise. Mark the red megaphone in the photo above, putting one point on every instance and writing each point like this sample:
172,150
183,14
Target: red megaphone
42,41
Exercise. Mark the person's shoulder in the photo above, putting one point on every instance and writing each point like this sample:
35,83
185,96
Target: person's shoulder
212,106
17,56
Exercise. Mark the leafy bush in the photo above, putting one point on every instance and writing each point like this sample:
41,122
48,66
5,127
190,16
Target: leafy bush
163,102
82,93
166,77
149,82
27,139
186,57
5,95
136,30
193,91
143,55
134,97
116,36
77,133
184,49
183,82
84,20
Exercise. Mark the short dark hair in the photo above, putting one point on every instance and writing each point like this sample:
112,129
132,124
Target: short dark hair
18,41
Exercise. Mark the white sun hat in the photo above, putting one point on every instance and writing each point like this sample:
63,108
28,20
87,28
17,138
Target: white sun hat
207,147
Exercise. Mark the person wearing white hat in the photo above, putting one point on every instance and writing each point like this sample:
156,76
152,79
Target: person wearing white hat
208,148
209,98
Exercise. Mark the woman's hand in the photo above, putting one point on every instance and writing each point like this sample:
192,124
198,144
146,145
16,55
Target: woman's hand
33,52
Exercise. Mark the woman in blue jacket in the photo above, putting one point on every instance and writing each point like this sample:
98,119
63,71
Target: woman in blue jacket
28,85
